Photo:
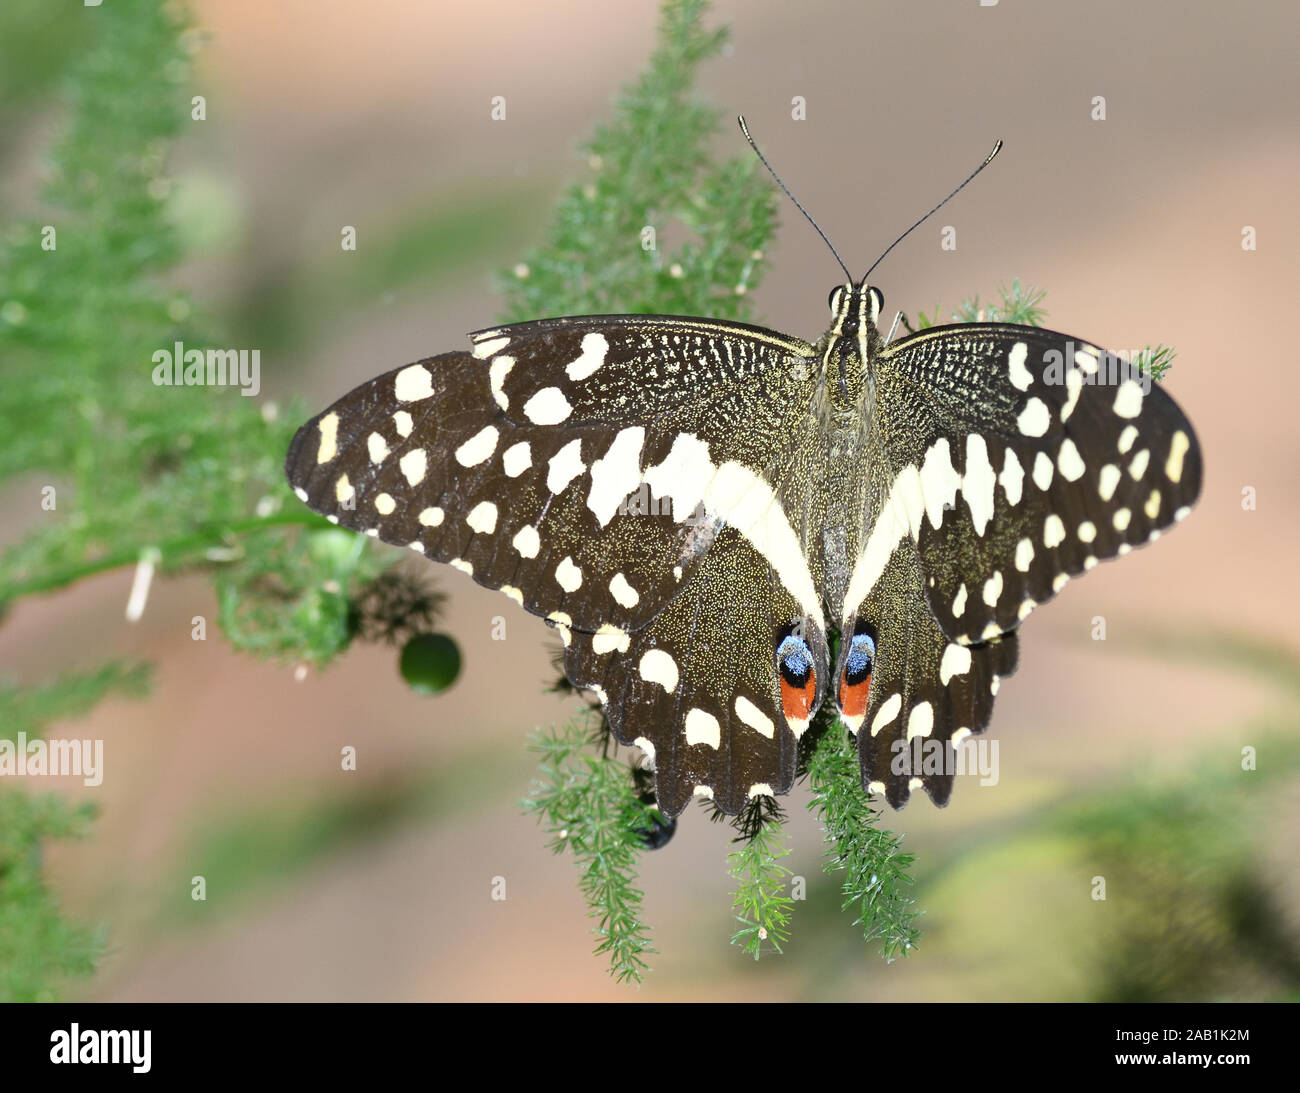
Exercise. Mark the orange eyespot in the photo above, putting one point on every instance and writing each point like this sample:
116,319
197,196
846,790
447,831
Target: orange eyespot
855,684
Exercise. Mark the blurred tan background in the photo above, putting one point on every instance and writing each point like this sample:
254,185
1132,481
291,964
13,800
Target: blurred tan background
376,885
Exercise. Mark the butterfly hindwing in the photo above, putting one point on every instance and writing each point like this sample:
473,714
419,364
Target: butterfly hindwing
697,688
925,691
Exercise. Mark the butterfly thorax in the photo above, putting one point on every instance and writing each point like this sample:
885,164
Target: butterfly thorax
849,346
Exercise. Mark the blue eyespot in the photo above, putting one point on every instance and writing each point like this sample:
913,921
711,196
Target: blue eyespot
795,660
862,655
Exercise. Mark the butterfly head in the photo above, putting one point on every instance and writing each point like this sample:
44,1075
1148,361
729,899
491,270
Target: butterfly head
852,338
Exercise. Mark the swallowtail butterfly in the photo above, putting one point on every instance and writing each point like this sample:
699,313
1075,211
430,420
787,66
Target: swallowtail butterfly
729,526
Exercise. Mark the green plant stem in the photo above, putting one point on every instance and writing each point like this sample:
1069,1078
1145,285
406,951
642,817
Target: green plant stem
181,545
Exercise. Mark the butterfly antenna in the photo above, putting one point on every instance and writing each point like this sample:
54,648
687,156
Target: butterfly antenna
987,160
808,216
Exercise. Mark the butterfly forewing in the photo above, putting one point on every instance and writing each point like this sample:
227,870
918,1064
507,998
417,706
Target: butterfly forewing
1039,455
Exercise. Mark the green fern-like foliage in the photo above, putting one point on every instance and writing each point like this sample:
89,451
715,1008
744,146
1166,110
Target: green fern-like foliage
652,180
108,470
585,804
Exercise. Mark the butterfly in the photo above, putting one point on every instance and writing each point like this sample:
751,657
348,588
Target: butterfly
729,527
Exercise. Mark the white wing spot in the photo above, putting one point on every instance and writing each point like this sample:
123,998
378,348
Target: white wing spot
1183,513
403,423
547,407
344,491
329,434
761,789
1128,399
920,722
1087,531
977,483
609,639
1138,467
1043,471
1034,418
413,383
1053,531
594,348
959,602
956,662
703,791
887,712
416,546
616,474
1152,507
384,504
478,448
431,517
659,667
568,575
1126,439
1024,555
1121,519
683,476
377,446
489,347
1089,562
565,465
1060,581
482,518
939,481
563,623
1012,477
300,493
1087,361
1178,448
993,589
413,464
1020,376
518,597
1107,480
1069,461
527,542
497,372
702,728
624,594
1026,607
516,459
755,718
1073,385
463,566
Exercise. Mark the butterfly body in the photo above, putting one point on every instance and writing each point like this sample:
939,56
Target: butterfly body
698,506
